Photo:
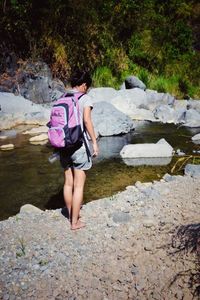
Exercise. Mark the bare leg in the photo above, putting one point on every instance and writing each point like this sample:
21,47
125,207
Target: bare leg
68,190
79,181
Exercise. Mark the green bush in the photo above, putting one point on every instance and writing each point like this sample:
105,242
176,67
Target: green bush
103,77
144,76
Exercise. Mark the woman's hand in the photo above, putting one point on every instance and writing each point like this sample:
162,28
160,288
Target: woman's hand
95,149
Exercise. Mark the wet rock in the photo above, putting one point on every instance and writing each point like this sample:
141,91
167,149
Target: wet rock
39,138
7,147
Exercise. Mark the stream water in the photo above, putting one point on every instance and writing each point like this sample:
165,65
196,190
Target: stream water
27,176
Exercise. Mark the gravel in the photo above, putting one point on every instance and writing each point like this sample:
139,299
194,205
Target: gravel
126,251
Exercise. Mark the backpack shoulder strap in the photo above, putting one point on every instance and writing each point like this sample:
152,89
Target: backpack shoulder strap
78,95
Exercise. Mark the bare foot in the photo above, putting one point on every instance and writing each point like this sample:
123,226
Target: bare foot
77,225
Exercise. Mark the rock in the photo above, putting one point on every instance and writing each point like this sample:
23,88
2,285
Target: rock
142,114
134,82
135,98
39,138
41,143
121,217
180,104
160,149
36,89
57,89
167,177
109,121
179,152
192,170
192,118
102,94
16,110
36,130
167,114
7,147
155,99
193,104
28,208
196,138
3,137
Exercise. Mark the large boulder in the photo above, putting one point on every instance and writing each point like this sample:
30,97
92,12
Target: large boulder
160,149
110,121
133,103
102,94
167,114
154,99
33,81
192,118
36,89
194,104
16,110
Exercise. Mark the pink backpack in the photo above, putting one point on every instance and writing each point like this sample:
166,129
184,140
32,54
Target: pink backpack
65,123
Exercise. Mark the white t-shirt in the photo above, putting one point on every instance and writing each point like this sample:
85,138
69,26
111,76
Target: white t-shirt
84,101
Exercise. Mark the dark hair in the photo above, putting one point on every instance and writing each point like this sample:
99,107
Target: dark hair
80,77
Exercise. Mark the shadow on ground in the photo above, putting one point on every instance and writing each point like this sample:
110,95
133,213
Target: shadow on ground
186,240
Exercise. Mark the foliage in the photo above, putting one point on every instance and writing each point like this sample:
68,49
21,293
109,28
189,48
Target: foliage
103,77
154,40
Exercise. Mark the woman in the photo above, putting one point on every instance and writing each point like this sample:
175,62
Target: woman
77,160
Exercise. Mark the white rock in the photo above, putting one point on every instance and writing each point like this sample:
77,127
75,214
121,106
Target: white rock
160,149
29,208
36,130
196,137
7,147
39,138
102,94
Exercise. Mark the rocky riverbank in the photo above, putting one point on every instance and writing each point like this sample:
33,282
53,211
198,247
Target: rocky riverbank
136,245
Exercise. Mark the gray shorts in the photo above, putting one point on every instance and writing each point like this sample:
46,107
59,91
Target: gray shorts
77,158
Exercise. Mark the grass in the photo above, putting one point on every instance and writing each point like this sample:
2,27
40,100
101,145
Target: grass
176,85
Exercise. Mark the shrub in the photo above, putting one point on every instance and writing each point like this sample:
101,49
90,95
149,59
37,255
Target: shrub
103,77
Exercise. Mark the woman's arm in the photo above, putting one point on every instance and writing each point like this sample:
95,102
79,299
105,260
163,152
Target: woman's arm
90,129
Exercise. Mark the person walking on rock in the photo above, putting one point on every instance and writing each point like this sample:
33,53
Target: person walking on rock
77,160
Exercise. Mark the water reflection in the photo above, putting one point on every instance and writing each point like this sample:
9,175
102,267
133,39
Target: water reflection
150,161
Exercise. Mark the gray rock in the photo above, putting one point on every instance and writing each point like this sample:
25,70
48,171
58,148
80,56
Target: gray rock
154,99
121,217
192,118
134,82
36,90
194,104
102,94
192,170
109,121
168,177
17,110
167,114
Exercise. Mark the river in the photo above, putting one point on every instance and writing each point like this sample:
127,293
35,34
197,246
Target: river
27,176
